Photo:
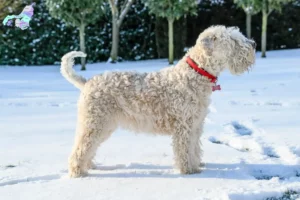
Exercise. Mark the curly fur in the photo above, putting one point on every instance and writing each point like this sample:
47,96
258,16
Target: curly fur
173,101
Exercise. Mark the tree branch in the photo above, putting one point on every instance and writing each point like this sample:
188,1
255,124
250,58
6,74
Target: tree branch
124,4
116,3
270,11
125,11
113,7
244,7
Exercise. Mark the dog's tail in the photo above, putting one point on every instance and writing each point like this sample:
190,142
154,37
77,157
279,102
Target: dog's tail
67,69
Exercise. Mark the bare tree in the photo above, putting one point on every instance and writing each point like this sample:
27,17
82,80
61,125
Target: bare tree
250,7
117,19
267,7
78,13
171,10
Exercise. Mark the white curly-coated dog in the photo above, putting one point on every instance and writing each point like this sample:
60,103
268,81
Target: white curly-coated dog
173,101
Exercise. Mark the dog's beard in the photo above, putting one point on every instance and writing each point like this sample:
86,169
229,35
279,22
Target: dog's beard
243,62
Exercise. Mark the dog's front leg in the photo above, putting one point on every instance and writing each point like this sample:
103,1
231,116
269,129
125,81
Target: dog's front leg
185,151
197,146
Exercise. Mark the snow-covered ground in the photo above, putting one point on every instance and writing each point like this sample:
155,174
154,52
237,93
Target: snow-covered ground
251,141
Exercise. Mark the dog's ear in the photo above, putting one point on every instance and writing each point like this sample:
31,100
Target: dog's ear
207,43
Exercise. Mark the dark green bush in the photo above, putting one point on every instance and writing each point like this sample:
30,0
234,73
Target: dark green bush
141,35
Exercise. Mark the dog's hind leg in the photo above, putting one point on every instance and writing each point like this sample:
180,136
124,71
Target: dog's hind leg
86,144
92,130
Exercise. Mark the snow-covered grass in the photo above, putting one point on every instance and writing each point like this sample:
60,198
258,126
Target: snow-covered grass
251,139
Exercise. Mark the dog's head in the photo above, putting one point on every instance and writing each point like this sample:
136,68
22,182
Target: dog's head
227,47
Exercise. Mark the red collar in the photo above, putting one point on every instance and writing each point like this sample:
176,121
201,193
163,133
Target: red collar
212,78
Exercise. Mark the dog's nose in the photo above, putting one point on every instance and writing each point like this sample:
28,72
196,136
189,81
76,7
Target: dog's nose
252,42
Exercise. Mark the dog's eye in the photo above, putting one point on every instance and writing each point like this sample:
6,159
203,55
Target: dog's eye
214,38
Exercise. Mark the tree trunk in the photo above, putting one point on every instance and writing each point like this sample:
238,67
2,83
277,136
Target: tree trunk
82,44
184,35
264,30
115,40
157,37
171,41
248,24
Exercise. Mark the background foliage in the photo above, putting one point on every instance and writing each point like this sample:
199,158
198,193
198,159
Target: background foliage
142,35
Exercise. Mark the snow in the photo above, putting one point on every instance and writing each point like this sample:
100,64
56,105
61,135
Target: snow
213,1
250,141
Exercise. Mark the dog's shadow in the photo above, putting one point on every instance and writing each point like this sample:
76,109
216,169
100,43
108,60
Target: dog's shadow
239,171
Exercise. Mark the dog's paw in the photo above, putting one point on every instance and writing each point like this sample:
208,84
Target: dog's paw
202,164
76,173
190,171
91,165
196,171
